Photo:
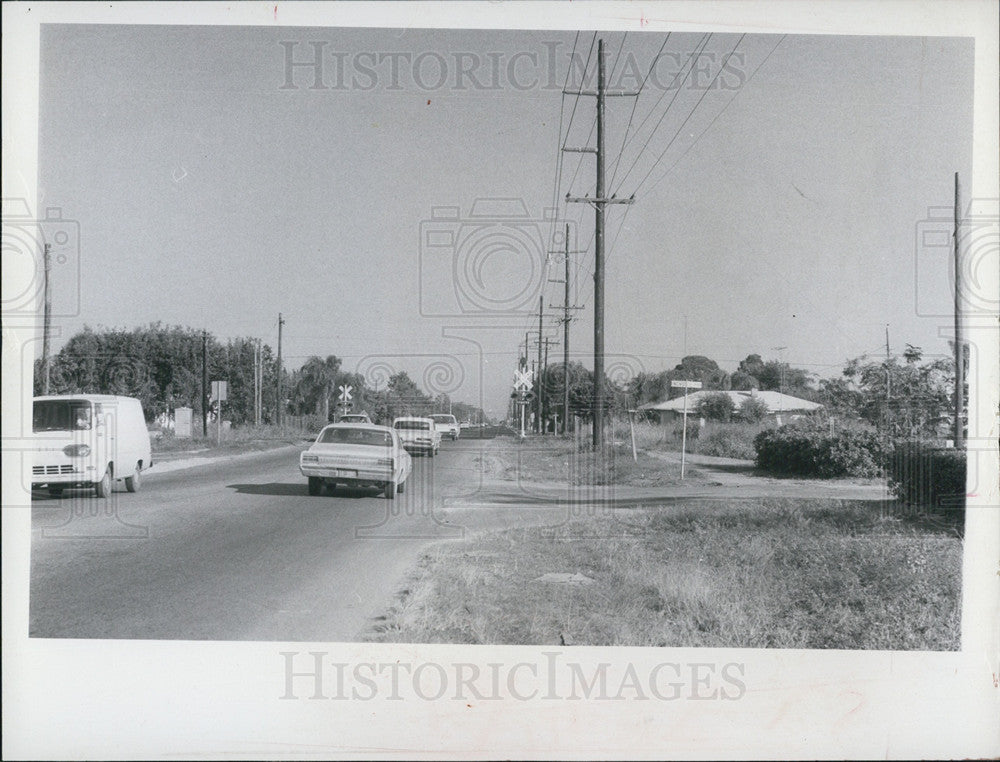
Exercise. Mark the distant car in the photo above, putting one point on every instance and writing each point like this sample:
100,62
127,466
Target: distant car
465,425
447,424
355,418
88,440
356,455
418,434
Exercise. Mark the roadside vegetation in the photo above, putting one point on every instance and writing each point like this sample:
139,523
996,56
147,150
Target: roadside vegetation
766,573
238,439
568,461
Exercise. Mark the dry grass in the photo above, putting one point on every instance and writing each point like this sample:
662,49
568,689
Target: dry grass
240,439
553,459
753,574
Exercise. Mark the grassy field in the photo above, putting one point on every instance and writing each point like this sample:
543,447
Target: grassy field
241,439
768,573
563,460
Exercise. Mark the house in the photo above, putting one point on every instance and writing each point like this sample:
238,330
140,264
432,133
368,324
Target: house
780,407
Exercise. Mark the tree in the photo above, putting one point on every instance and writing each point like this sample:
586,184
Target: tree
741,381
717,406
161,366
753,365
314,384
752,410
911,399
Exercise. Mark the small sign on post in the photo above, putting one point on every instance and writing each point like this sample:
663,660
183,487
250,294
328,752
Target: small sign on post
684,385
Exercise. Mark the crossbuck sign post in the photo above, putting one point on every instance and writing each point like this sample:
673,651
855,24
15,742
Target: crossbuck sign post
345,396
685,385
522,382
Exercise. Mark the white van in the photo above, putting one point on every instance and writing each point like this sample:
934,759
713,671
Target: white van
89,440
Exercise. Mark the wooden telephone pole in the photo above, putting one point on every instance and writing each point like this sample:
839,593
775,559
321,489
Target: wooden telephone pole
278,406
565,307
959,343
599,202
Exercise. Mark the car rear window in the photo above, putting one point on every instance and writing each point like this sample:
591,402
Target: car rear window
444,418
412,425
374,437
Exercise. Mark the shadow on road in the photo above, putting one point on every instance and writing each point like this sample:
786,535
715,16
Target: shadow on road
271,488
297,489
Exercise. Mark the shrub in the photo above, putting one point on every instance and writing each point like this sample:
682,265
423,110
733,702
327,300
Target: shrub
717,406
923,474
803,451
693,429
752,410
729,442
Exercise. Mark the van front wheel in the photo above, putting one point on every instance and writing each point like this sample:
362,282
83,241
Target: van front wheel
134,482
103,487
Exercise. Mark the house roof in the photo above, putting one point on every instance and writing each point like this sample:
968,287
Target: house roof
776,402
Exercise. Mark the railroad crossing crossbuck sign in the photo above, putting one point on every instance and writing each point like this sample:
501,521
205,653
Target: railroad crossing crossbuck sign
522,380
345,392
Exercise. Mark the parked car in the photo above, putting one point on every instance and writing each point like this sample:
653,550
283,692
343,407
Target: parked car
418,434
354,418
89,440
447,424
356,455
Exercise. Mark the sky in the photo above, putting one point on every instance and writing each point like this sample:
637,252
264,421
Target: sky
782,192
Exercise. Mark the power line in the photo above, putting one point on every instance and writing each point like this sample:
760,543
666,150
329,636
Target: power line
635,104
690,114
697,51
716,117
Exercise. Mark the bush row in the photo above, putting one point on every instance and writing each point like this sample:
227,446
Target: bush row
923,474
919,473
800,451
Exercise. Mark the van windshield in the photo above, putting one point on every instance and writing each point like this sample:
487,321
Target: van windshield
62,415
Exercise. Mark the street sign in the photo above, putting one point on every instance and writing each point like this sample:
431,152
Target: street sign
345,392
219,390
522,379
685,384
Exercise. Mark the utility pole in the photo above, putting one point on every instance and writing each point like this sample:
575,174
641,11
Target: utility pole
888,372
46,315
258,362
541,369
566,307
204,383
277,406
545,366
959,344
599,202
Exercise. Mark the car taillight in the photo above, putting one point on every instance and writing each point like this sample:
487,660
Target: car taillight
310,458
386,462
77,450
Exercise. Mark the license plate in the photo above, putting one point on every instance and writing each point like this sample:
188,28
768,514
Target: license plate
346,474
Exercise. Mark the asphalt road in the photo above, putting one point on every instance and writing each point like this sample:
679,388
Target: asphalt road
238,550
235,551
